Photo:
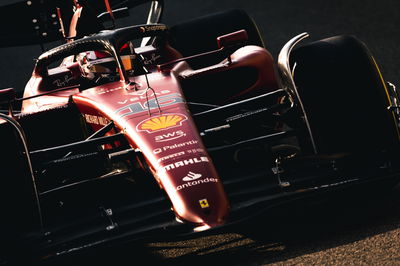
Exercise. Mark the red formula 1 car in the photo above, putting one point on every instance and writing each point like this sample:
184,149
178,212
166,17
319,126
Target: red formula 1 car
151,132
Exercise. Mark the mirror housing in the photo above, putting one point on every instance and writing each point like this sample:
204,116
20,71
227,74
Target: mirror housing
7,95
232,39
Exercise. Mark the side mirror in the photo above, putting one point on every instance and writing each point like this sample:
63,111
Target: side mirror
225,41
8,96
232,39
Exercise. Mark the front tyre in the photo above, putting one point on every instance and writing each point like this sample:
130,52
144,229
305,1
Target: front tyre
345,96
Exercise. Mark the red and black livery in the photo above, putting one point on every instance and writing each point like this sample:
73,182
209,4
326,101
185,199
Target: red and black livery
195,129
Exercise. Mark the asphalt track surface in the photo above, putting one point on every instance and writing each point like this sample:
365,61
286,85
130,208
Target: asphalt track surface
343,230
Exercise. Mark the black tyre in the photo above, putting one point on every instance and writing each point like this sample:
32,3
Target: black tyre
199,35
344,95
20,216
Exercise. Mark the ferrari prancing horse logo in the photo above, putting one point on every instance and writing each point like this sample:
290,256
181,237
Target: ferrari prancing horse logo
204,203
161,122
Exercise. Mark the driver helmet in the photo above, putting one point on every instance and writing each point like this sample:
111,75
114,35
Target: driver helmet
96,65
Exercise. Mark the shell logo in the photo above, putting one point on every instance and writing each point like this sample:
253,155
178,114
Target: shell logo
161,122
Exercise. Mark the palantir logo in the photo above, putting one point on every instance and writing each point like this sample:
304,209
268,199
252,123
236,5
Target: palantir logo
191,176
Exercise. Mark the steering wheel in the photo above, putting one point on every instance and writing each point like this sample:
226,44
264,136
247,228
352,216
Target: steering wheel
110,41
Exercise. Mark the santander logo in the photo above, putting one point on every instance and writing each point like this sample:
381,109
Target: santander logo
191,176
194,179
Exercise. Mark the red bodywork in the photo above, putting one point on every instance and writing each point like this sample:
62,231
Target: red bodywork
165,133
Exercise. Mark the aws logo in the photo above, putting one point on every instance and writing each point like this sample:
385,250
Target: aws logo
161,122
170,136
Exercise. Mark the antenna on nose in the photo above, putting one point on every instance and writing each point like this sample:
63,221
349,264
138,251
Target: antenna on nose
109,10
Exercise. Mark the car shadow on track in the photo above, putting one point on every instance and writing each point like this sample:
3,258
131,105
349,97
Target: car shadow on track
295,230
287,232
